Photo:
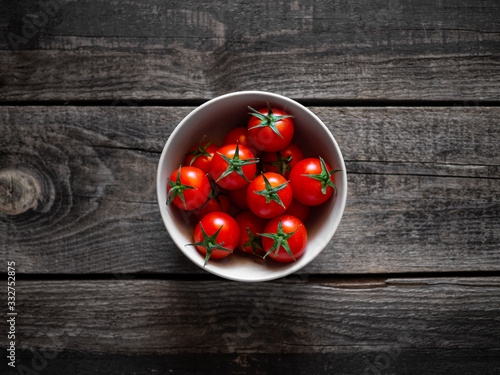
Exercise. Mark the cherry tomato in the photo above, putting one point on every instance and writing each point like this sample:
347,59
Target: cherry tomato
270,129
217,203
200,155
282,161
250,227
188,188
269,195
239,135
312,181
233,166
287,232
299,210
216,235
239,197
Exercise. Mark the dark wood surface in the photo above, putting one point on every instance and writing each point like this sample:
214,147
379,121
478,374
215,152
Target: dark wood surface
410,284
413,188
321,326
151,49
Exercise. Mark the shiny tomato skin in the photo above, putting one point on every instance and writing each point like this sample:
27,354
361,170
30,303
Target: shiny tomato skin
292,150
297,242
196,197
240,135
203,161
239,197
257,203
264,138
307,190
234,180
255,224
212,205
229,234
299,210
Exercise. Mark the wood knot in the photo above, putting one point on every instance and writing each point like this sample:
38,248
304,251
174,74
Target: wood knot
19,191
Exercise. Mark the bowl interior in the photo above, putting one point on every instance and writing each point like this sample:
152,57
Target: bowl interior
215,118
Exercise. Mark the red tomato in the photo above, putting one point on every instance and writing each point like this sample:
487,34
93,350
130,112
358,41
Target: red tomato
239,135
299,210
250,226
200,156
239,197
312,181
188,188
217,203
233,166
287,232
216,235
282,161
270,129
269,195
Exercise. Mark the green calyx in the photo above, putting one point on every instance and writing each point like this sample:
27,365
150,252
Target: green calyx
270,192
324,177
201,150
280,238
235,164
267,120
282,163
214,193
209,243
254,242
177,189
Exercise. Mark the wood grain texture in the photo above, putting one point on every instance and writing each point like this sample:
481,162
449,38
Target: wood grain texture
423,190
100,286
410,362
398,326
340,49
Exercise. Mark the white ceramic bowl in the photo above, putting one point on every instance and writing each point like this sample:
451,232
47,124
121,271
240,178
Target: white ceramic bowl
215,118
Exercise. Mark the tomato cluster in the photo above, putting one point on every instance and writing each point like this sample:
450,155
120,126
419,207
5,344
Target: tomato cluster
252,193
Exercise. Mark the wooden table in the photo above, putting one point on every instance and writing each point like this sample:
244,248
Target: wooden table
90,92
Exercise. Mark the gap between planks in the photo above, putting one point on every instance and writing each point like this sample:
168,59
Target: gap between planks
308,102
342,281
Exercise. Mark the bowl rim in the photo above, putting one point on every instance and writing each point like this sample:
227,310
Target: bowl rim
341,202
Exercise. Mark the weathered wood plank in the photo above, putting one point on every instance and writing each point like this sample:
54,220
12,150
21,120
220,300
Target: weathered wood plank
423,190
324,324
150,49
374,362
449,138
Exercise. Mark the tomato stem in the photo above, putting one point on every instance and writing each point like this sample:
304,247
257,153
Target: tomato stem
214,194
281,163
324,177
254,242
235,164
177,189
201,150
209,243
280,238
267,120
270,192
